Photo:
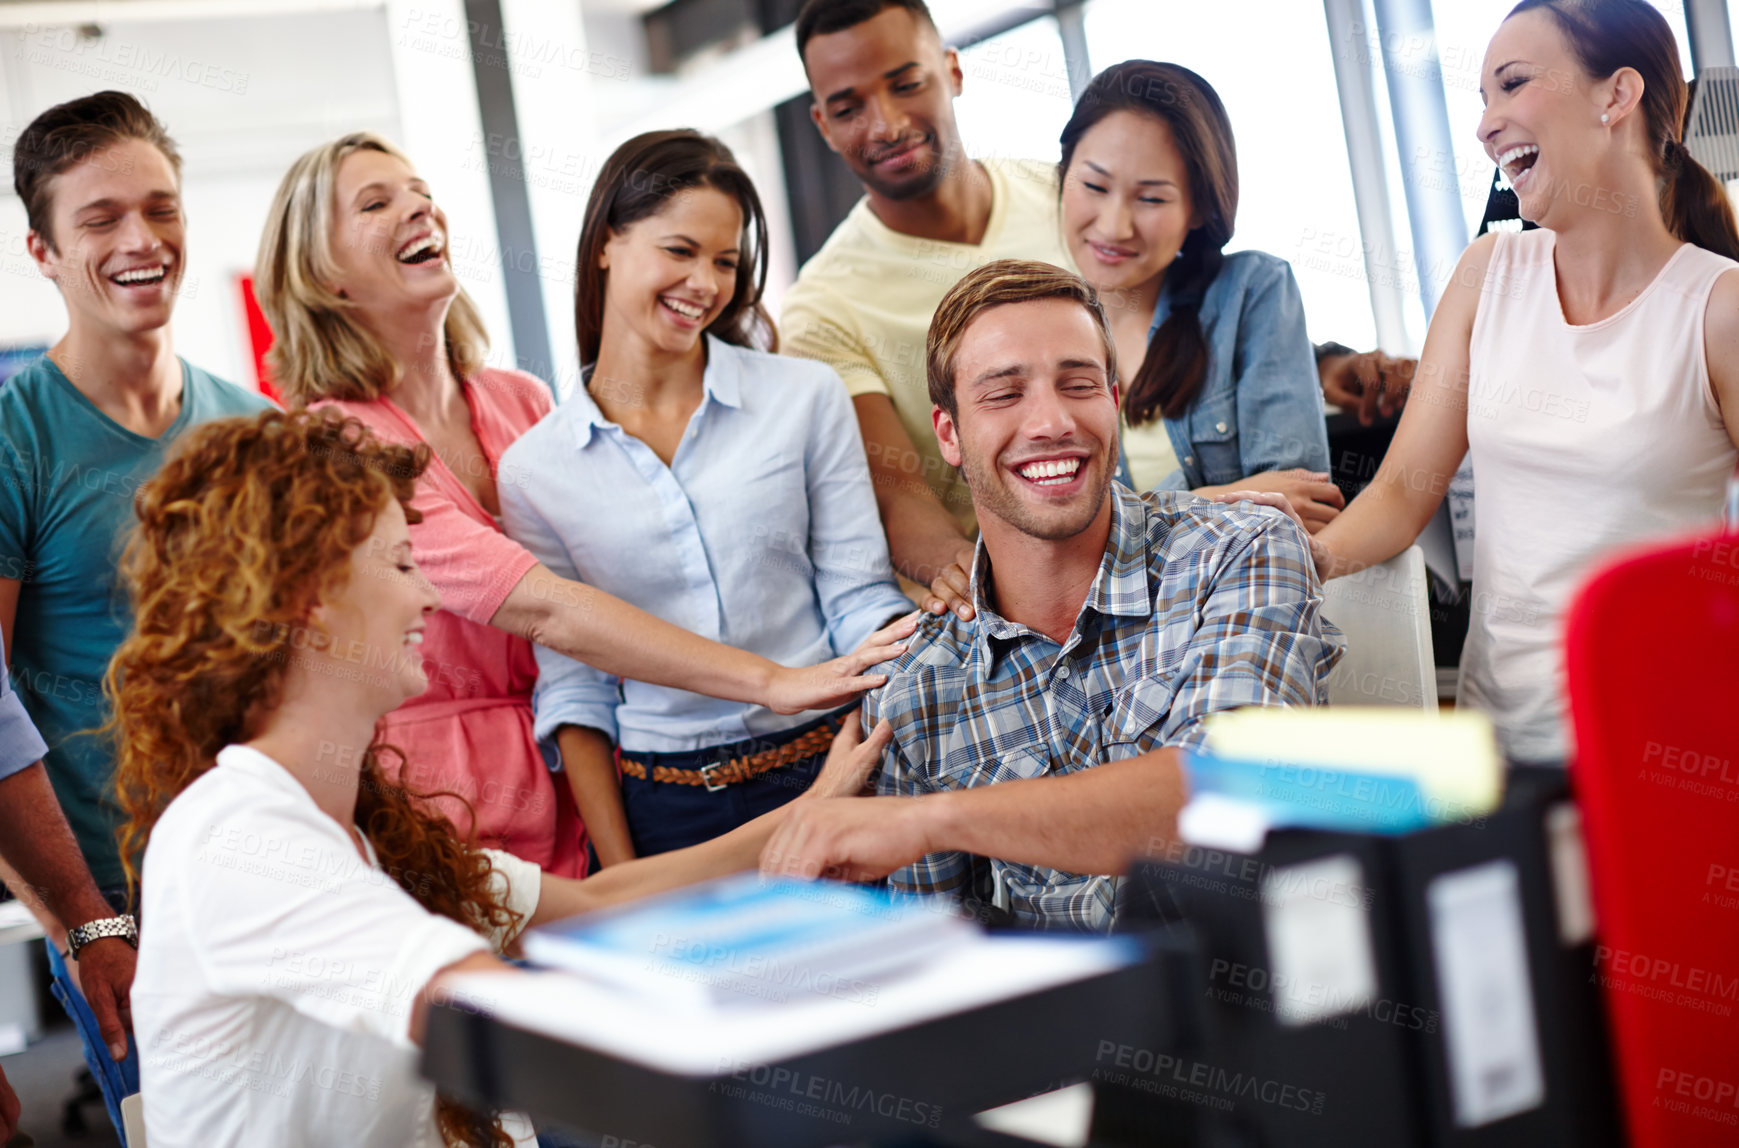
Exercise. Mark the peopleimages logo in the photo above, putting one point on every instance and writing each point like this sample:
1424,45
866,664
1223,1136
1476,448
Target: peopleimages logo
807,1094
1218,1085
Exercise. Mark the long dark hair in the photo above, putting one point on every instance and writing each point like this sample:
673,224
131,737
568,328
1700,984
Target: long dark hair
639,178
1171,374
1607,35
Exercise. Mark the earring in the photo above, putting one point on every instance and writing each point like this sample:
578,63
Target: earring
1604,117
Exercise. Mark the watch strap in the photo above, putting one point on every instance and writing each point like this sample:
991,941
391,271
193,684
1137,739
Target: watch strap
123,926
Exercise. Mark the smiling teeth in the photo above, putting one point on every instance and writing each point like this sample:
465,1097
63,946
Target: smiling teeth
687,310
412,250
414,639
142,275
1513,156
1060,471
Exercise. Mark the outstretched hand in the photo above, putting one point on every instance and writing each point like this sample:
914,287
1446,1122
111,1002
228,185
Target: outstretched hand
851,760
1367,384
951,592
834,683
1319,554
848,839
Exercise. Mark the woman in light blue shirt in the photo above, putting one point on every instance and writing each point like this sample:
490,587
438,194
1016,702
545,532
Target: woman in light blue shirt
1219,380
716,485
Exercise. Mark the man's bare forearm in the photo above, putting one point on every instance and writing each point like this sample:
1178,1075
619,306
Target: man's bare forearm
42,862
923,538
1092,821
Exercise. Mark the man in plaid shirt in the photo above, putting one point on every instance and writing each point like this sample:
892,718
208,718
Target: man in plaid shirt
1035,748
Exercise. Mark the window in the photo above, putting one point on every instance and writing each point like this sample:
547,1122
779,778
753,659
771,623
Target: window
1015,98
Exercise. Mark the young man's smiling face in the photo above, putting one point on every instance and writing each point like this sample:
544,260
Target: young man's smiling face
884,100
116,238
1035,432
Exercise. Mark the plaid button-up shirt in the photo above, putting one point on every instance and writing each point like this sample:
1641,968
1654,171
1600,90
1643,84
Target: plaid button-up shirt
1197,606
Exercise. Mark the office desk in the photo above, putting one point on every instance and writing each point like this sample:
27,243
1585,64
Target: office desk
971,1031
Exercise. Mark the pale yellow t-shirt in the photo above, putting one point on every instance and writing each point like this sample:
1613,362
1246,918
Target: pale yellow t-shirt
863,303
1149,451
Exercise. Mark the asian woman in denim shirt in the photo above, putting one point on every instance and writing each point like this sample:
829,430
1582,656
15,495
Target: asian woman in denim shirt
1220,385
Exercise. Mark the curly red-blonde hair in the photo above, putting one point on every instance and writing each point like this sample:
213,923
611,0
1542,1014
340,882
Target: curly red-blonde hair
250,523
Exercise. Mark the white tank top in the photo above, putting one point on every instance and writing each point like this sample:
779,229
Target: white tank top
1583,439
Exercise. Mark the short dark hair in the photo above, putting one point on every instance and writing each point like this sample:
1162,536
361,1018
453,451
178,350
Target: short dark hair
72,132
996,284
824,17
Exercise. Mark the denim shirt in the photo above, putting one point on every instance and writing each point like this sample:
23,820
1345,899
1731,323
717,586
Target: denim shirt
1260,407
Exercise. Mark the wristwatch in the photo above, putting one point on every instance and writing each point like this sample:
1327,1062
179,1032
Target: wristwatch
123,926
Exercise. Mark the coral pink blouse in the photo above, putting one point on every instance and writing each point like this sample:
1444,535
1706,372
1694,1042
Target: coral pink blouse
471,732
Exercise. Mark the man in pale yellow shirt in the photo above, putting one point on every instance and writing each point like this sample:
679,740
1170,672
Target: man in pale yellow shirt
884,87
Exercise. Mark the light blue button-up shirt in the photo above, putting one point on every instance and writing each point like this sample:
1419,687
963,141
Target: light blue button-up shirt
762,534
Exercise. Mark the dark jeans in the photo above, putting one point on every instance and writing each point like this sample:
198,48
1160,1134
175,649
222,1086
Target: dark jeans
664,815
118,1079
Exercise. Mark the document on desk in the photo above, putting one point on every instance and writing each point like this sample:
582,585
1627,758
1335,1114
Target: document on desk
714,1042
745,940
1489,1026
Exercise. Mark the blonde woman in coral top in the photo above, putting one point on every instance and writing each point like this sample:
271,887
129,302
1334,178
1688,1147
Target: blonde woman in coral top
354,278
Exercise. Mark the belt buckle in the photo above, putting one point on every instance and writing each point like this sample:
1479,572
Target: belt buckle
707,779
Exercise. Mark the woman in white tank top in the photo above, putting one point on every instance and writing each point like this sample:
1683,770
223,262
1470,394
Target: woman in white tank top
1590,367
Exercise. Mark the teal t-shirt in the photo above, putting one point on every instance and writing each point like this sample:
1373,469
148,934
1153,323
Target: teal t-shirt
68,474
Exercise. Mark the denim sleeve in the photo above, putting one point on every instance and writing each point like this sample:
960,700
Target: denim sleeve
1280,417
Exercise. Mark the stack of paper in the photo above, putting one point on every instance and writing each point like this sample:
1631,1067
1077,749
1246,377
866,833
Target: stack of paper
1375,769
745,939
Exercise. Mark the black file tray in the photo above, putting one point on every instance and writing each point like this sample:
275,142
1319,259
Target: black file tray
1384,1082
1250,1080
926,1078
1577,1109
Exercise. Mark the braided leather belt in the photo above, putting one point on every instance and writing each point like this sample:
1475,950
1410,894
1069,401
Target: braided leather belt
740,769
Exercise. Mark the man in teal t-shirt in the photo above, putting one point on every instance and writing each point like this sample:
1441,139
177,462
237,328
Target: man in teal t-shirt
80,430
68,473
84,426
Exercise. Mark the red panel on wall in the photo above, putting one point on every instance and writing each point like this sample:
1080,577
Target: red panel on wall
259,337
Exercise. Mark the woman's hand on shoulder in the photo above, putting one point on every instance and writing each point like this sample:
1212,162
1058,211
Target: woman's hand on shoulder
852,760
836,682
1310,497
1320,555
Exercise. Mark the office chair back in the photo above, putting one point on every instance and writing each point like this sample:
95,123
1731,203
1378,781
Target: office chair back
1384,612
1652,652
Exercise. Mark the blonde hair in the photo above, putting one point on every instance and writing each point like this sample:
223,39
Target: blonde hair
1000,282
320,349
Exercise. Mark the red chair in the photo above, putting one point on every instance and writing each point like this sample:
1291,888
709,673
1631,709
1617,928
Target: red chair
1653,664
